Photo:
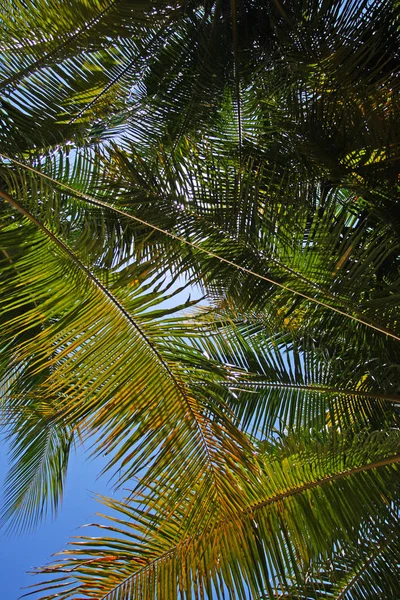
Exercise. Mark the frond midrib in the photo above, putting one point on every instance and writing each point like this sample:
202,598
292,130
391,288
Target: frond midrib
314,388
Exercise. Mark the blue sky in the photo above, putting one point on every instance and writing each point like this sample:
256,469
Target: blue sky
20,553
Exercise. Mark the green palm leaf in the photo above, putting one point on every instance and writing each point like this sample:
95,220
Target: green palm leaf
285,272
287,522
75,340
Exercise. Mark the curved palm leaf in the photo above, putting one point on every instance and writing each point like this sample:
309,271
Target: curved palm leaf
74,337
39,457
287,522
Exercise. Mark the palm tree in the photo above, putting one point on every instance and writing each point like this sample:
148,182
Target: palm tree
250,148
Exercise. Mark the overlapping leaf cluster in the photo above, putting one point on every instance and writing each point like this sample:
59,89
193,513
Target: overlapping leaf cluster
252,149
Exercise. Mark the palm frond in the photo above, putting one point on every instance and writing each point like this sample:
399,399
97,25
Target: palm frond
74,337
39,457
286,524
251,148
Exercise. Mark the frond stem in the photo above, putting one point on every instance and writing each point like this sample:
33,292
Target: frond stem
237,79
316,388
191,410
328,479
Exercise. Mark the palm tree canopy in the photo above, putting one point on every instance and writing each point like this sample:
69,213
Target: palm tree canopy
250,148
